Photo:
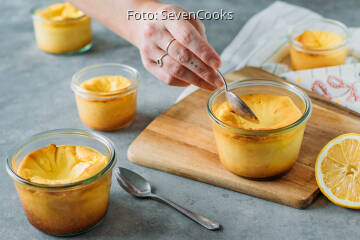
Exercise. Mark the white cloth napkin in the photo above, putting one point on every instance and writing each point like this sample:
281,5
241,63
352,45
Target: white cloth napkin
263,40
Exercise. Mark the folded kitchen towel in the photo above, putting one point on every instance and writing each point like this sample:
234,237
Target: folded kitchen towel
340,84
263,40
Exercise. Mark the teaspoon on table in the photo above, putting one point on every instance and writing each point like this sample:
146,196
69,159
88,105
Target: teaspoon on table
137,186
236,104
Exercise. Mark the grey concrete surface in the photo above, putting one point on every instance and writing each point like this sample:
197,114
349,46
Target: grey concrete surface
35,96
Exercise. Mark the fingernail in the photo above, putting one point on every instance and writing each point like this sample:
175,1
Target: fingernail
212,88
219,83
215,63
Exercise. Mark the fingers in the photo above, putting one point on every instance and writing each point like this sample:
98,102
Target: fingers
185,57
164,76
200,27
147,53
174,73
191,59
186,34
179,71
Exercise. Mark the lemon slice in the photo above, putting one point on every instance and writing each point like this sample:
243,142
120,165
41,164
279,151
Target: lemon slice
337,170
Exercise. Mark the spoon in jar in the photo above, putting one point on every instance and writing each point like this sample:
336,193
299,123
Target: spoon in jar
236,104
137,186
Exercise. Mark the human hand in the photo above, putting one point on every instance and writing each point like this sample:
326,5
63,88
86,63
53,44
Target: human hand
189,60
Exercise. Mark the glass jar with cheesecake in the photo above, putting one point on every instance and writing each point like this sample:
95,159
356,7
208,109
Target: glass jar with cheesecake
60,28
318,43
63,179
106,95
270,146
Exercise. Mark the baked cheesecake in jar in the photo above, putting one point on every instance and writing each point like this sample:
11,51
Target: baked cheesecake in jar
63,179
60,28
106,95
270,146
318,43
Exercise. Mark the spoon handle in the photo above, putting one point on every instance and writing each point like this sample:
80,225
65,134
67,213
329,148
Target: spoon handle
205,222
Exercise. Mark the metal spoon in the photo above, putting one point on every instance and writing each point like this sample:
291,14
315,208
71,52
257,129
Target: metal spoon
236,104
137,186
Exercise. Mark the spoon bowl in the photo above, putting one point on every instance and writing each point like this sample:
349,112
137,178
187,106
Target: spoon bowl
236,104
132,182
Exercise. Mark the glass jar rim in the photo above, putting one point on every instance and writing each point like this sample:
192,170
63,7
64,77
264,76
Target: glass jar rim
107,142
43,5
265,82
334,48
104,95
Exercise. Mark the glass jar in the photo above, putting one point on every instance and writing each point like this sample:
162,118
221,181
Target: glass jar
64,209
63,36
305,57
106,111
259,153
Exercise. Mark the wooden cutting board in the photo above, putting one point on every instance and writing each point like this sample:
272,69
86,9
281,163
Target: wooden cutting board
180,141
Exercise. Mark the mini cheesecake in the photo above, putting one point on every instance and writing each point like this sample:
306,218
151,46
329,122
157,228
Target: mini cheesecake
317,49
108,103
55,208
245,149
61,28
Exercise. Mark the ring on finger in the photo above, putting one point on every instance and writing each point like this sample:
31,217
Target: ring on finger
168,45
159,61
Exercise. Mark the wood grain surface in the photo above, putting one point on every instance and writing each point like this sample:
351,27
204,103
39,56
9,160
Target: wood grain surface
180,141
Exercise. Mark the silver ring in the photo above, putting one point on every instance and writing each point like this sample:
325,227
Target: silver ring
159,61
168,45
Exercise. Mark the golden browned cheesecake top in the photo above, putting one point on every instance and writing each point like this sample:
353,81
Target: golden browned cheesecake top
60,11
319,39
106,83
61,164
273,112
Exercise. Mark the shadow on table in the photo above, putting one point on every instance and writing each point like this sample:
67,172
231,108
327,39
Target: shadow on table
123,221
320,202
140,123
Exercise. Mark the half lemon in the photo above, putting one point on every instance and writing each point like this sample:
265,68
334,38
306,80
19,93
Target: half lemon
337,170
